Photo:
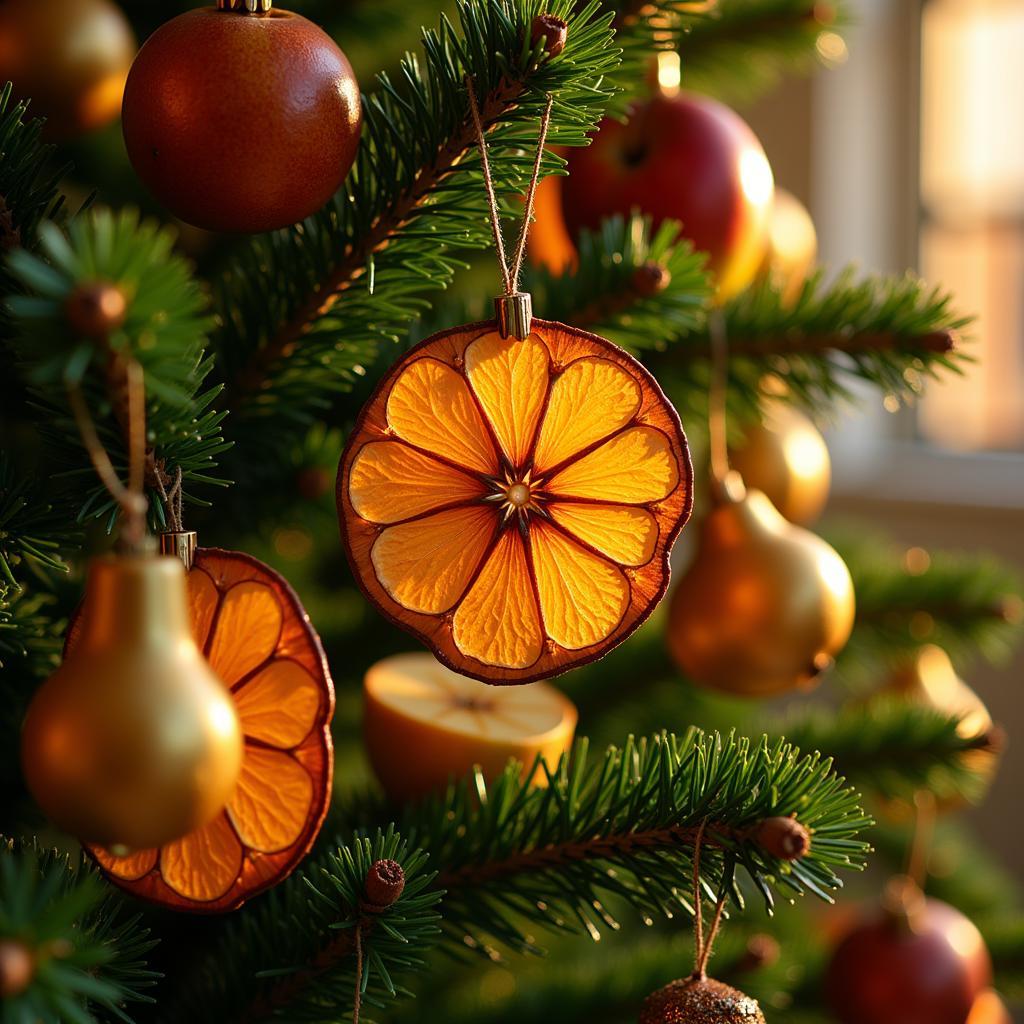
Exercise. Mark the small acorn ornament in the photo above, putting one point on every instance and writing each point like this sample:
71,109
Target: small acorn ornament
241,117
765,606
696,1000
133,741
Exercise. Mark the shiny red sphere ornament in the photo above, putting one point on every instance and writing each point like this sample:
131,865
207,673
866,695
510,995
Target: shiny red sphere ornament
683,157
241,121
924,963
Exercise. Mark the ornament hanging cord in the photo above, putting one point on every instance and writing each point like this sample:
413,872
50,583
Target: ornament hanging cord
702,946
130,498
513,316
718,434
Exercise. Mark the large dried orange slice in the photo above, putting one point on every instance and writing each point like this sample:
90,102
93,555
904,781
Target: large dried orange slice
513,503
426,725
250,625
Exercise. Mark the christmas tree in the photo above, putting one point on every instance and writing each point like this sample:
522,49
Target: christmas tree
237,788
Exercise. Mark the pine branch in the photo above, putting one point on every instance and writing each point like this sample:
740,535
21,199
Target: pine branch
307,308
624,827
162,328
290,953
743,47
970,606
87,955
893,748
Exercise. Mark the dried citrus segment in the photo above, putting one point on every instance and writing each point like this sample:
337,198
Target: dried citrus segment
129,868
205,863
511,383
270,818
427,564
245,631
582,596
497,622
591,399
393,482
431,407
559,547
253,627
634,467
280,704
625,533
445,724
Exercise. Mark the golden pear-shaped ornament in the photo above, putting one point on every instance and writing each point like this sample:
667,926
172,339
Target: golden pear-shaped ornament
930,679
765,605
785,456
133,741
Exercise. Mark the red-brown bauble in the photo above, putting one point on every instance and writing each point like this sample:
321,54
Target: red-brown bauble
927,967
688,158
241,122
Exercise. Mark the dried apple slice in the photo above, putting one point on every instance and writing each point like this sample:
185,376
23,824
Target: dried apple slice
513,503
250,625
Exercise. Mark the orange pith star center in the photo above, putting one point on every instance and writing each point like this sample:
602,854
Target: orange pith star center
517,496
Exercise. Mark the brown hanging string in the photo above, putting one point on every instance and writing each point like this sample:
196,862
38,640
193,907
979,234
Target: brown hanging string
130,498
702,947
174,505
718,435
924,832
510,275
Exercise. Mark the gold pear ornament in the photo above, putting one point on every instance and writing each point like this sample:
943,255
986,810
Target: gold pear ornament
785,456
765,606
133,741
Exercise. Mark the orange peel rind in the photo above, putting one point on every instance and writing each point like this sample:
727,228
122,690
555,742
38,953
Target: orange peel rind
513,503
249,624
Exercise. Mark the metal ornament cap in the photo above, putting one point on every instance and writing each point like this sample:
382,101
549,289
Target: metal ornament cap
514,314
180,544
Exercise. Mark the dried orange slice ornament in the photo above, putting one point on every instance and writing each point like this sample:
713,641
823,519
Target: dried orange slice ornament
512,501
257,637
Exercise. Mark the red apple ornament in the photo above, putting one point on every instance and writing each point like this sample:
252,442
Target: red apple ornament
684,157
241,121
919,962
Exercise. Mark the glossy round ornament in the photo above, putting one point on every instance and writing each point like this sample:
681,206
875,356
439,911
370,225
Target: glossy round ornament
250,625
513,502
989,1008
687,158
792,245
425,725
241,122
765,605
919,961
699,1000
785,456
133,741
69,57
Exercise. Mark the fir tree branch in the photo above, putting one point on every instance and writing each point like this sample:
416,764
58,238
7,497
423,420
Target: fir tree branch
357,272
87,954
970,606
893,748
624,827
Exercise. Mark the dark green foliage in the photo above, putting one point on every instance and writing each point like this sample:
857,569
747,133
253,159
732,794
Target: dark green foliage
164,331
292,953
612,291
893,748
970,606
624,827
89,952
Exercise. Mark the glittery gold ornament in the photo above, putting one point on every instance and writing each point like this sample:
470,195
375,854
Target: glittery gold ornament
699,1000
133,741
785,456
765,605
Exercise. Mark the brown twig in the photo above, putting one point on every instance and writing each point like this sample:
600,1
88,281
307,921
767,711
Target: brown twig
353,263
594,849
938,342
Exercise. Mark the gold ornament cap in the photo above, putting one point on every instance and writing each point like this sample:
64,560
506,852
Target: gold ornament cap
133,741
246,6
180,544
